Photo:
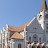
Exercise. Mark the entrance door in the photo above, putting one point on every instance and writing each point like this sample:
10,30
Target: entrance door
38,47
33,46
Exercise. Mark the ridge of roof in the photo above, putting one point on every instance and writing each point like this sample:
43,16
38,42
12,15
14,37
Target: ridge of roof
12,28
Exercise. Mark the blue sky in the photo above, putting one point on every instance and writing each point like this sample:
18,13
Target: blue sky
18,12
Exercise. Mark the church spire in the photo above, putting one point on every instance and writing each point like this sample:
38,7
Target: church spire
43,6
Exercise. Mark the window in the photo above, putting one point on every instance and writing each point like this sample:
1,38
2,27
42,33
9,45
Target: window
30,38
43,47
38,47
35,38
19,45
44,38
47,27
33,47
35,28
40,39
47,41
46,15
40,17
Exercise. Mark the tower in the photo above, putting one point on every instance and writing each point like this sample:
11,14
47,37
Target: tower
43,18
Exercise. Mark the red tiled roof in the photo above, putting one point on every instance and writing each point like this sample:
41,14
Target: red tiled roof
14,31
17,29
16,35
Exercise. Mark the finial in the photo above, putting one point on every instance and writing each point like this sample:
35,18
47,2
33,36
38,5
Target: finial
6,26
3,29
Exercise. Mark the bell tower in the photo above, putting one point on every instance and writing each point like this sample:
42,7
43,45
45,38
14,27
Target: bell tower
42,14
42,18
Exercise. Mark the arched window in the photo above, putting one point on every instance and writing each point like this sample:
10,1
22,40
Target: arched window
43,47
19,45
35,38
33,47
30,38
40,39
38,47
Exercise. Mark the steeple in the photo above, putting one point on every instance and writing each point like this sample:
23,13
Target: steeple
43,6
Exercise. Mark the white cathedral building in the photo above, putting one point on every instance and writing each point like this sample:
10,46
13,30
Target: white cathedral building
33,34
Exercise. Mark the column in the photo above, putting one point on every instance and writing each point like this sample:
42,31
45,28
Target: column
25,36
12,43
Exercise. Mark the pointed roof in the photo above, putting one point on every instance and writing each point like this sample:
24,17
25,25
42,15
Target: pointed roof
16,35
43,6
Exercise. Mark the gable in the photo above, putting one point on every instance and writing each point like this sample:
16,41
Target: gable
16,35
34,26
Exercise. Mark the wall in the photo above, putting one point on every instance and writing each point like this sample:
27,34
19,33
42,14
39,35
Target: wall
16,42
